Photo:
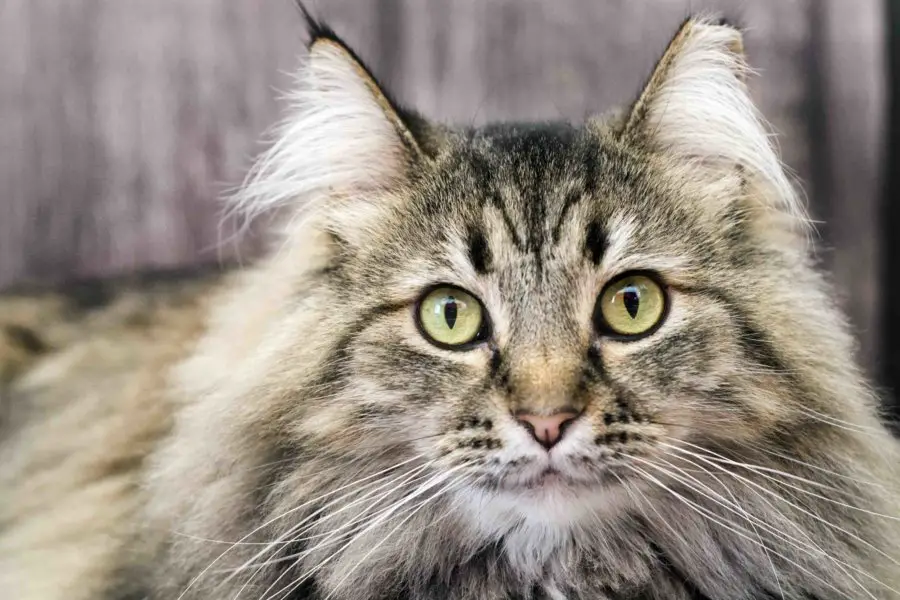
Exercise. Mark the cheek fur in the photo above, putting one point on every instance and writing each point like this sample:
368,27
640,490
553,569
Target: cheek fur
694,376
407,390
690,351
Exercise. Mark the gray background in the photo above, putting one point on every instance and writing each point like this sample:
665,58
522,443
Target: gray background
123,121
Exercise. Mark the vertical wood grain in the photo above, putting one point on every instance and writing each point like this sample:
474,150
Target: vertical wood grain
853,98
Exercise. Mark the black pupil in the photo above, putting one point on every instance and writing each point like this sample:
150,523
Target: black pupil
632,299
450,311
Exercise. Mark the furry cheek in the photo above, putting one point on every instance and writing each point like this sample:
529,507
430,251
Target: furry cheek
691,375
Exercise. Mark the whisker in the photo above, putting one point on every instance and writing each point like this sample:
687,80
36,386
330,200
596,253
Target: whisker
661,519
769,528
835,421
297,558
274,519
392,483
728,460
815,467
432,482
744,512
755,492
734,528
420,506
731,507
766,471
811,514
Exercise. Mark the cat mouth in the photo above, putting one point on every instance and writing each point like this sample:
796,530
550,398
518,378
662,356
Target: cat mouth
552,476
549,478
553,479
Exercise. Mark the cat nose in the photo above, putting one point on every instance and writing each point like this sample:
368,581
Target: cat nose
547,430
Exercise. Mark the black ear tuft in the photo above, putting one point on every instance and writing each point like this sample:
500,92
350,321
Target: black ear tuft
732,22
417,132
319,32
316,29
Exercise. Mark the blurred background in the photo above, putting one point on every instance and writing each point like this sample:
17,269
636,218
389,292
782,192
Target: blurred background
122,122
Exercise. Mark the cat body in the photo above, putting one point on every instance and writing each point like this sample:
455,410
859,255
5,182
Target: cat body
656,399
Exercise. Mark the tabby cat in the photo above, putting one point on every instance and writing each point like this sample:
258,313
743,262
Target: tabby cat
524,361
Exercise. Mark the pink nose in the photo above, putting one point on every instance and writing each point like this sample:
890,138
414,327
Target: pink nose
547,429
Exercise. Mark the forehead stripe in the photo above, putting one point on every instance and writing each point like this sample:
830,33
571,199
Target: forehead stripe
595,242
479,251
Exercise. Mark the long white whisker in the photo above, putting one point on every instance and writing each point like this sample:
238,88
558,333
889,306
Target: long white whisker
733,528
767,472
377,521
391,483
836,422
752,490
820,469
734,508
734,502
811,514
645,500
420,506
274,519
810,548
749,482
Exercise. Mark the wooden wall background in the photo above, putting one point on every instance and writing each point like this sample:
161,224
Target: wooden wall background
123,121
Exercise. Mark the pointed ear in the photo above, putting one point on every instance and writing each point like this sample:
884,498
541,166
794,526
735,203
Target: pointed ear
344,136
696,108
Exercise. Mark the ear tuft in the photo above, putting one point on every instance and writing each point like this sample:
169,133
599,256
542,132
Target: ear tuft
703,56
315,28
344,136
696,108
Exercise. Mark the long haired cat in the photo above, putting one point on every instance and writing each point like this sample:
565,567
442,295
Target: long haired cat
525,361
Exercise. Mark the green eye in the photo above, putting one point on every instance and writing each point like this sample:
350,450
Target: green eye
450,317
631,305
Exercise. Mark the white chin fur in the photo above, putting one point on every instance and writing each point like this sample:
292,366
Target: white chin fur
539,524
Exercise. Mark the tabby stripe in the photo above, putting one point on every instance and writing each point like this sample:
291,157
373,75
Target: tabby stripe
333,372
595,242
484,180
497,202
754,341
588,191
596,362
572,198
479,251
535,217
499,372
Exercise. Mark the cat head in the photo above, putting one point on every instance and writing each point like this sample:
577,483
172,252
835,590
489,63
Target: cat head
531,312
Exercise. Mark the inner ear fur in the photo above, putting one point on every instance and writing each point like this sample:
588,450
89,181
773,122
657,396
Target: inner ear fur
695,109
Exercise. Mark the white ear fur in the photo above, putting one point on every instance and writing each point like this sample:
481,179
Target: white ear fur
342,138
696,107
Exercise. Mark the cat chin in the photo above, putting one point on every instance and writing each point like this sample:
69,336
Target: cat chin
539,523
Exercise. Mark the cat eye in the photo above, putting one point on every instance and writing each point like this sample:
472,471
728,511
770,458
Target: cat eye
451,318
631,305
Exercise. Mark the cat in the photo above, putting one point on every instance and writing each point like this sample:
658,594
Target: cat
522,361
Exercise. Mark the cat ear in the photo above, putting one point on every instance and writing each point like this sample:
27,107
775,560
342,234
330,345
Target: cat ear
344,136
696,108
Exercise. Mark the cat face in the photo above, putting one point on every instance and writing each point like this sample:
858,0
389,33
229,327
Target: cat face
539,308
540,250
